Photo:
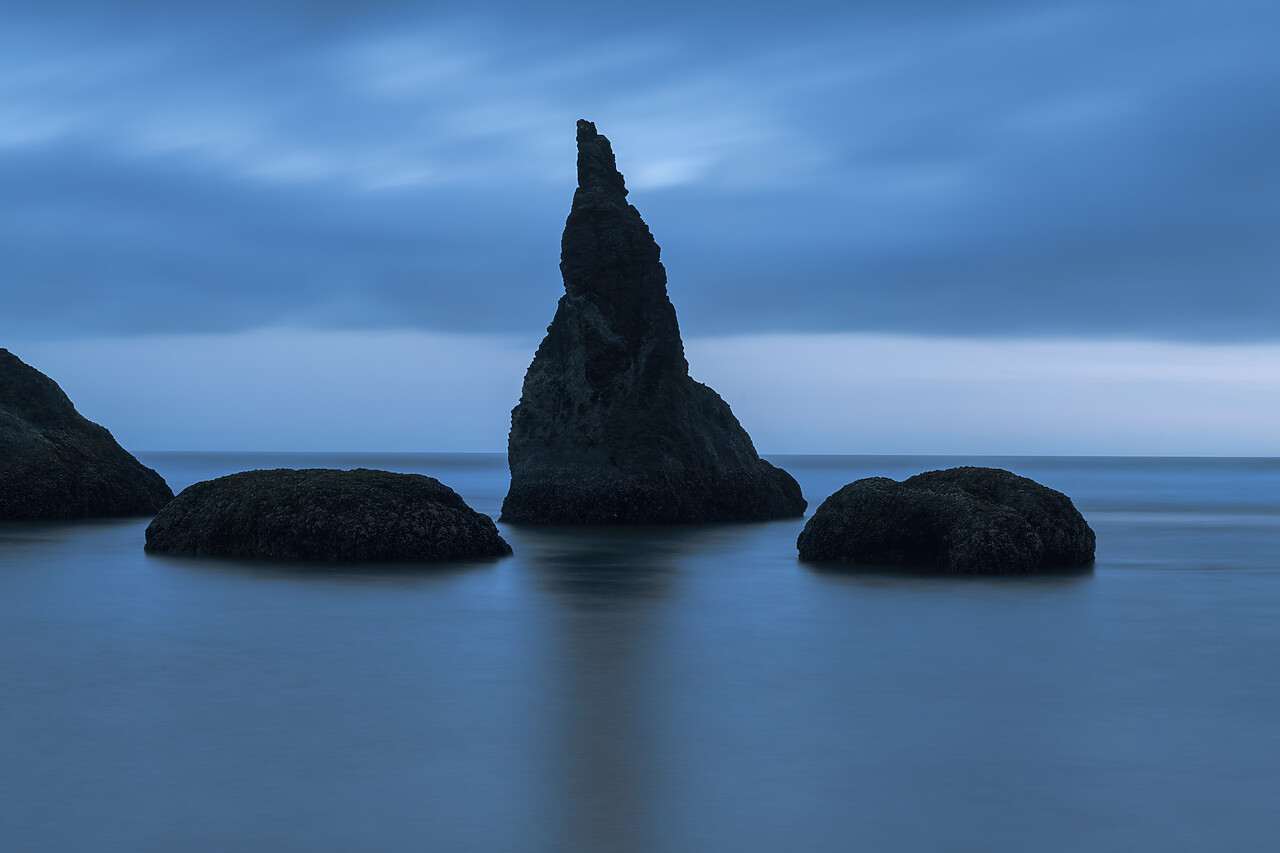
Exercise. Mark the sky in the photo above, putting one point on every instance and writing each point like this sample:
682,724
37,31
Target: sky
985,227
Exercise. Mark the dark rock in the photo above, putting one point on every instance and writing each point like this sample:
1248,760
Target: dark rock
55,463
961,519
610,428
324,514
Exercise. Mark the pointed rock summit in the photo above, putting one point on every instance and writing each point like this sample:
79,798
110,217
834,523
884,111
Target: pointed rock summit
610,428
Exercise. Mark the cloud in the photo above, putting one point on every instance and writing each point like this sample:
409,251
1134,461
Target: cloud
989,168
98,243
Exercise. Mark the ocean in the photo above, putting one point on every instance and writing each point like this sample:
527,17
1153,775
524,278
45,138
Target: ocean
654,689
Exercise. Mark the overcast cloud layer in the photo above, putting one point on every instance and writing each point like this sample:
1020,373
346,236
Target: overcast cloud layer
1089,169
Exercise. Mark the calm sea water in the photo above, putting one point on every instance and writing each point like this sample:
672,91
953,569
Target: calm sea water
660,689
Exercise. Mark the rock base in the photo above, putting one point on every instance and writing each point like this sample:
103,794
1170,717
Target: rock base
600,496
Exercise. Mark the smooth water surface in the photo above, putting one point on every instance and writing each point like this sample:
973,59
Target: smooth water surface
657,689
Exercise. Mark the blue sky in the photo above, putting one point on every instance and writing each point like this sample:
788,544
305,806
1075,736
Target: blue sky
915,227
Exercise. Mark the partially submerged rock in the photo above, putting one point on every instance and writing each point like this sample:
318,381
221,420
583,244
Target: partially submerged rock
610,428
57,464
324,514
962,519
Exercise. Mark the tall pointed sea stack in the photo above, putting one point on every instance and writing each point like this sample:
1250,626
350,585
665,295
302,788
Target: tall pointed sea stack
610,428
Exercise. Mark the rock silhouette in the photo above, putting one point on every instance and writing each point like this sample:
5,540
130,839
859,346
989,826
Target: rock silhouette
610,428
322,514
57,464
961,519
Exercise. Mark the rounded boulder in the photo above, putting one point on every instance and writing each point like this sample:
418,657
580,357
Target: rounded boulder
321,514
962,519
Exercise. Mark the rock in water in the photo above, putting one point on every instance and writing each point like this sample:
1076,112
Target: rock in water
610,428
961,519
55,463
325,515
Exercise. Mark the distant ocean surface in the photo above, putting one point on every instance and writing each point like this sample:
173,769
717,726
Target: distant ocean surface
679,689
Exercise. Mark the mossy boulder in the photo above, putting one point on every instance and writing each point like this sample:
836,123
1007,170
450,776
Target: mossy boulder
962,519
57,464
321,514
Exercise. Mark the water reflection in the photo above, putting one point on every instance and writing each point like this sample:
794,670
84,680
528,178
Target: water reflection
609,566
45,532
608,583
882,574
393,573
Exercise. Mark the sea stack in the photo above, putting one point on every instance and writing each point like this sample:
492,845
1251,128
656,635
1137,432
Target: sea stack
57,464
610,428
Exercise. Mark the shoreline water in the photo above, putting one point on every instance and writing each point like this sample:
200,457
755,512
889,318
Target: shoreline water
658,689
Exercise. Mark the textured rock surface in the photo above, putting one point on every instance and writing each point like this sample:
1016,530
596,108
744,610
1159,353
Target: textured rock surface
324,514
610,428
55,463
962,519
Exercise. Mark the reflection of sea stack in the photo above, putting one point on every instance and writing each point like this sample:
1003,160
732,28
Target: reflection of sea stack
610,428
54,463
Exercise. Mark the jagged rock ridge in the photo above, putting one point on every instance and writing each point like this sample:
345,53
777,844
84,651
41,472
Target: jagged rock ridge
610,427
55,463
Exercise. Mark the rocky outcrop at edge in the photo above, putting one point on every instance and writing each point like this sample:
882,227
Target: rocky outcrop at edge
321,514
56,464
961,519
610,428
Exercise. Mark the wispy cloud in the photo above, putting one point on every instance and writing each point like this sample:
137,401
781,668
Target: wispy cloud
956,169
